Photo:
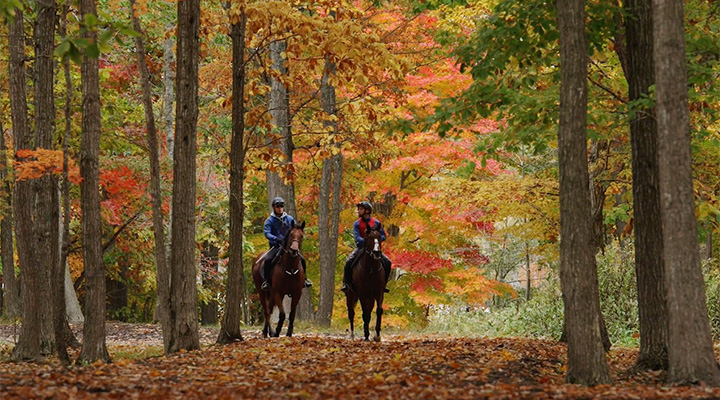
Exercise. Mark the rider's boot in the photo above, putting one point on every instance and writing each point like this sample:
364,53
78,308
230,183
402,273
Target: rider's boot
308,282
344,287
265,286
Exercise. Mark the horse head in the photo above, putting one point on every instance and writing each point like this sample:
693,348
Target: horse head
294,239
373,244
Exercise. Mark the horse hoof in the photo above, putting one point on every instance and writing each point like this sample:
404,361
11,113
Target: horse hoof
376,339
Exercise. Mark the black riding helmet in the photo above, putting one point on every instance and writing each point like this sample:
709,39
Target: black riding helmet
365,204
278,200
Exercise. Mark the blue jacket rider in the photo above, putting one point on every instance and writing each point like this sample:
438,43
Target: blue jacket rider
364,210
277,226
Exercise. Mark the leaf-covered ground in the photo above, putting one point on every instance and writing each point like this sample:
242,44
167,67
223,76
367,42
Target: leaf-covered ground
321,366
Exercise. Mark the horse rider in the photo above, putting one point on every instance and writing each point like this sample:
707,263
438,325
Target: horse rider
277,227
365,219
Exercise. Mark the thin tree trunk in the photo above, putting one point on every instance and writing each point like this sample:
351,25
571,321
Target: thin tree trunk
28,346
183,290
235,291
690,348
328,216
163,276
282,184
652,301
13,307
94,347
578,274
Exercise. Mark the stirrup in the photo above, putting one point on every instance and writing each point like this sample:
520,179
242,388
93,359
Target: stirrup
308,283
265,286
386,290
344,287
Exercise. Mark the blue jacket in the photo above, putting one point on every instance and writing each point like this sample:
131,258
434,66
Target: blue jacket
276,228
360,233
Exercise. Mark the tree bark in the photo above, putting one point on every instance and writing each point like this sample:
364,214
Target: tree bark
13,306
578,272
28,346
163,276
690,348
94,347
183,290
328,214
45,188
652,301
235,291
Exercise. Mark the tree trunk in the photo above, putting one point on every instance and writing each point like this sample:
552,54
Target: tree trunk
163,276
652,301
235,290
72,305
282,184
13,306
183,290
94,347
328,217
28,346
690,348
578,274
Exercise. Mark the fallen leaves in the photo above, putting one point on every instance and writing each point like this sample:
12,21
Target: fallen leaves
314,366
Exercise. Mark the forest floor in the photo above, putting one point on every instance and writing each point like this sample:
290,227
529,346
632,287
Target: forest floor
326,366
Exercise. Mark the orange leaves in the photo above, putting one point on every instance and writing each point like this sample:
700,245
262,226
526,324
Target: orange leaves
33,164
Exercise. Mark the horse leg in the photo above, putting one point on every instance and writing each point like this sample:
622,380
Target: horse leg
281,315
293,308
378,319
266,326
366,314
351,300
268,314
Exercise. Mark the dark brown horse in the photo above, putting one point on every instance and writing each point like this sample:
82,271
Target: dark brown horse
288,278
368,284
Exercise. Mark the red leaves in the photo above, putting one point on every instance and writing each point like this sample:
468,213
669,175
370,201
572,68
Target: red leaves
418,261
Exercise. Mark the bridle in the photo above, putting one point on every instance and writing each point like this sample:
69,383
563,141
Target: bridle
292,248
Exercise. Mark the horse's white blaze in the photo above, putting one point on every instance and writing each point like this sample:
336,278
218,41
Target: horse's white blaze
377,246
295,245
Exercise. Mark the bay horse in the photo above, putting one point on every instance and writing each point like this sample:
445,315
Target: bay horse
368,286
288,278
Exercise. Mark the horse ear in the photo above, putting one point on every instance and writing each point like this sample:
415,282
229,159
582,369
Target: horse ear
302,226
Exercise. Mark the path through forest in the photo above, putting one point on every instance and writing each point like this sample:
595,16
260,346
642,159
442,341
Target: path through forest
320,366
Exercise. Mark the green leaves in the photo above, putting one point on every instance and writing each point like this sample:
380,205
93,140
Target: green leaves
74,45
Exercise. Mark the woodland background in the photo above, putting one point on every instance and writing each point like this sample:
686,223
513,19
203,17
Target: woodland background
443,114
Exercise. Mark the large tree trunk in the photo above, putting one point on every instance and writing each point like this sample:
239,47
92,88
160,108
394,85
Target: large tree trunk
183,290
328,216
578,274
163,276
28,346
279,105
94,347
235,291
652,301
45,188
13,306
691,358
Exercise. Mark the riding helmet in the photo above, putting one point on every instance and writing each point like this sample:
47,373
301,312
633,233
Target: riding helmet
364,204
278,200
